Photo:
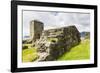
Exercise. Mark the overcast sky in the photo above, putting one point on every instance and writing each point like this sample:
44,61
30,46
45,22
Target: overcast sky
56,19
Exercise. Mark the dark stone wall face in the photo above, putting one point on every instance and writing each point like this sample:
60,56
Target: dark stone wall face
55,42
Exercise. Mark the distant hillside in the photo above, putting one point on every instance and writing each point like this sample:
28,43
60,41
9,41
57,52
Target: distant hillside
26,37
85,34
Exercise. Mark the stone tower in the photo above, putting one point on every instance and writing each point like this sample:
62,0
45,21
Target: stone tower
36,28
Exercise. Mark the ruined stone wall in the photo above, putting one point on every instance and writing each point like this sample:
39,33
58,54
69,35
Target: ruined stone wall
54,42
36,28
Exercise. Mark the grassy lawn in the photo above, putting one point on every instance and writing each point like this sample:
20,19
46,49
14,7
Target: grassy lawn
29,55
80,52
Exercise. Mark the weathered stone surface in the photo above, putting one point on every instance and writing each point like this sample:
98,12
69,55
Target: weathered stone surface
36,28
55,42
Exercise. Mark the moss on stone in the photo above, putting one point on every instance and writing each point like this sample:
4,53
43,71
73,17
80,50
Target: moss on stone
52,39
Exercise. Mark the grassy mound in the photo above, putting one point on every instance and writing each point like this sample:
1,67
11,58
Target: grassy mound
29,55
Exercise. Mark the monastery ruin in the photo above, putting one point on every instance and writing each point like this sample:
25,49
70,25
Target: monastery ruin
53,43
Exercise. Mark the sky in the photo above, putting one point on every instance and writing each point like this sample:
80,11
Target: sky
53,20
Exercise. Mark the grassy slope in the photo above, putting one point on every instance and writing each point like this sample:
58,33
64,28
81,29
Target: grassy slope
29,55
82,51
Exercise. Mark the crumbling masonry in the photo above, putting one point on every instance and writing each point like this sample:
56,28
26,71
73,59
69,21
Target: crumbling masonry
53,43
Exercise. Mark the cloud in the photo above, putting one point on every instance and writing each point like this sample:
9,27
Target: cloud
56,19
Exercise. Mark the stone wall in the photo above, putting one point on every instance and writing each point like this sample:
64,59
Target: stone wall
55,42
36,28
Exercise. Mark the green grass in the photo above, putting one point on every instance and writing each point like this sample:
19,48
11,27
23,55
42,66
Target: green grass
29,55
27,45
80,52
52,39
